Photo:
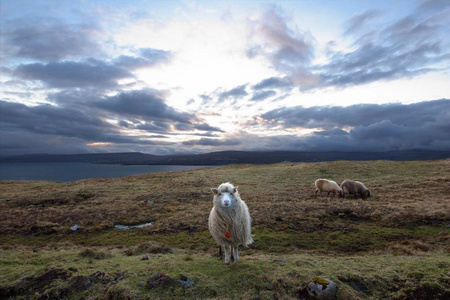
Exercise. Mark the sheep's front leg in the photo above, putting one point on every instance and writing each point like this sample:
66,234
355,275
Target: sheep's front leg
227,254
236,253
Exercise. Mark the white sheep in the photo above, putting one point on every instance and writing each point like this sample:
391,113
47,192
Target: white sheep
229,220
355,188
328,186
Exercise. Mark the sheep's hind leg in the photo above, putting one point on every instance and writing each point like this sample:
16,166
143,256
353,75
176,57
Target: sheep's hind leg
220,253
227,254
235,251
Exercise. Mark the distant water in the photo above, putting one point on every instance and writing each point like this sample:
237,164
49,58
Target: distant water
69,171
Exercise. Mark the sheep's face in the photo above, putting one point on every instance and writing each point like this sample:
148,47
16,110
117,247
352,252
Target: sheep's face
225,195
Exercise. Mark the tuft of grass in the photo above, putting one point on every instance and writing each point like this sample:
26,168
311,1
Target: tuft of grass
149,247
94,254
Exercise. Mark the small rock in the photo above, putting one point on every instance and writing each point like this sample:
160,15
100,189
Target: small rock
21,274
81,283
269,286
159,280
186,281
36,250
192,230
280,262
141,283
74,228
145,257
321,288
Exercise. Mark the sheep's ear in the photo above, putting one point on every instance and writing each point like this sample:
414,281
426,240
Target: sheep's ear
215,191
235,189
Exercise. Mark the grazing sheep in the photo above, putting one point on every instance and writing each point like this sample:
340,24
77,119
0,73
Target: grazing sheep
229,220
355,188
328,186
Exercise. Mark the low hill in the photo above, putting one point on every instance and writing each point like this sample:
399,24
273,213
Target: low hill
229,157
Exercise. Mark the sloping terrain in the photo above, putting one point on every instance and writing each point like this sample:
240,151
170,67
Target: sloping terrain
394,244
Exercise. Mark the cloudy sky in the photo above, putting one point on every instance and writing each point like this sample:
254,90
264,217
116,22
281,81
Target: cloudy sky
169,77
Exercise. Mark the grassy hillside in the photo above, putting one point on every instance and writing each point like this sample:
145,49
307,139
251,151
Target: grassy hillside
393,245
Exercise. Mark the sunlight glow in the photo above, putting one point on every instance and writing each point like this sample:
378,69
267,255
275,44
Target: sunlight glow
98,144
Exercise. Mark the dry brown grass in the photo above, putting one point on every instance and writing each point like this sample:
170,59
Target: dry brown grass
279,196
392,245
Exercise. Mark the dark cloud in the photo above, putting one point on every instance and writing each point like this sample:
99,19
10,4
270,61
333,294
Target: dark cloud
53,120
289,49
154,127
332,132
430,133
273,83
363,127
413,45
140,109
207,127
284,45
260,96
408,47
236,93
194,127
15,141
56,129
91,73
45,41
82,117
144,104
212,142
328,117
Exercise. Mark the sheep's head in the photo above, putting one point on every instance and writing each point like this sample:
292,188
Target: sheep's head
225,195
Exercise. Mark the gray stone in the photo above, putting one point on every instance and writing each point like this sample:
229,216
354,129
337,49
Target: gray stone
141,283
159,280
322,288
186,281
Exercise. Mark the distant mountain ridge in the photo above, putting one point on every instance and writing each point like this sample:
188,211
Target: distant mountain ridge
227,157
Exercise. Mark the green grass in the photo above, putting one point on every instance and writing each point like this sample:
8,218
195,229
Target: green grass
256,275
393,245
344,239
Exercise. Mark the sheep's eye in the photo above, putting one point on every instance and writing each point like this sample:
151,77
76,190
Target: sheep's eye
220,194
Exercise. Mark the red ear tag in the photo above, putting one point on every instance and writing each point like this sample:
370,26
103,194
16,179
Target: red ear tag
227,235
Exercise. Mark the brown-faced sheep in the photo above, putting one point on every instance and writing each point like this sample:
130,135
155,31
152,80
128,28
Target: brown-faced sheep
355,188
329,186
229,220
